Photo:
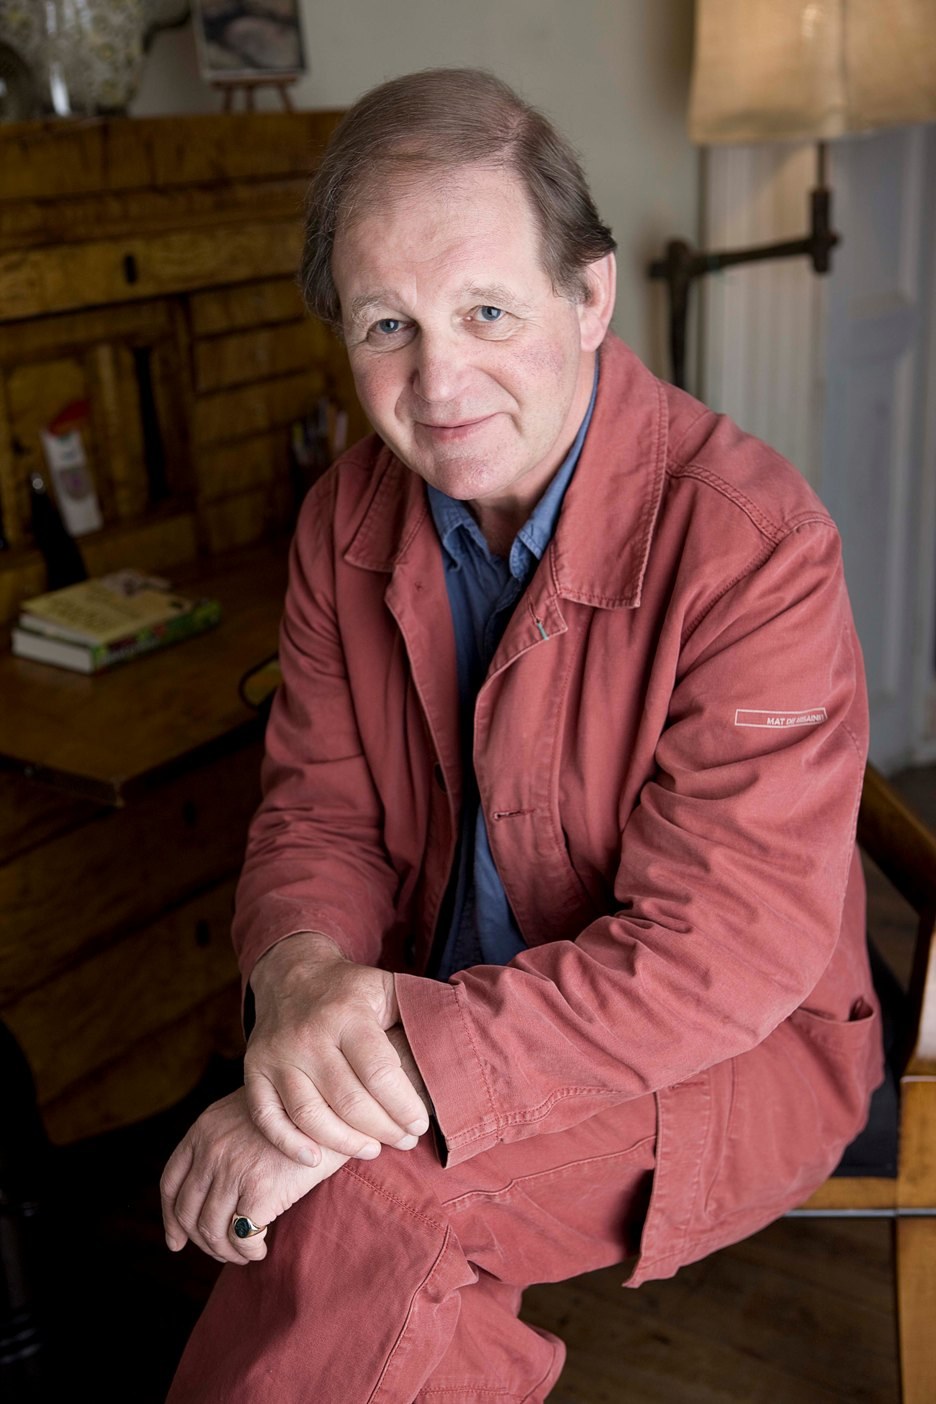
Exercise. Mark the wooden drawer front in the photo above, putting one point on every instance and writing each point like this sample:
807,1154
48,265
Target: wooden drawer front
141,323
89,1016
239,358
31,814
259,365
123,214
38,281
78,891
226,470
249,517
229,309
151,1075
232,414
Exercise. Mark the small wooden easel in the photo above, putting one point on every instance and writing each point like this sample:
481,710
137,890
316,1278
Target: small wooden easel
248,86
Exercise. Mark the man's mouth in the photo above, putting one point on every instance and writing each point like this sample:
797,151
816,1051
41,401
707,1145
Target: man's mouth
453,427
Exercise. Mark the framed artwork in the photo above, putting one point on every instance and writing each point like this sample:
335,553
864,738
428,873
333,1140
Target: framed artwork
244,39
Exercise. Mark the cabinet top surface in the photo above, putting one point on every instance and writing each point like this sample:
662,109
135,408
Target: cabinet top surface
107,735
52,160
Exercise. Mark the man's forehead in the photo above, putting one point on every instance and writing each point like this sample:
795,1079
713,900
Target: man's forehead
386,186
478,217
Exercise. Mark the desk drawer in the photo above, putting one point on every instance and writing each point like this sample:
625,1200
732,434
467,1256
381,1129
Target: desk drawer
95,1013
81,891
153,1074
36,282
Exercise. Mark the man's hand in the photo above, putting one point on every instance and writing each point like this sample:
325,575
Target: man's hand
222,1167
321,1072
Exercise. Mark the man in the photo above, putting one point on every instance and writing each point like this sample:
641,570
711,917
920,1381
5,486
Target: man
557,842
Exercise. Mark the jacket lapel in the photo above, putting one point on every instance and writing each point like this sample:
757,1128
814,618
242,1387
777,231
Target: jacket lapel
397,537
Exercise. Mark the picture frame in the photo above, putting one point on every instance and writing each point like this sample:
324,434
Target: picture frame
244,41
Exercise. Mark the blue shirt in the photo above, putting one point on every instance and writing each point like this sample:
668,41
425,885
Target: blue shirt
482,591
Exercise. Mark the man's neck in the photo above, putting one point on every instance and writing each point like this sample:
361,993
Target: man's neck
499,525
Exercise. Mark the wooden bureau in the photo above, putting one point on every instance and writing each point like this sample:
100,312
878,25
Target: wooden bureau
148,268
124,805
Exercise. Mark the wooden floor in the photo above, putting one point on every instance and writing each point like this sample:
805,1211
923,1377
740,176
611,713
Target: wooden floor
799,1314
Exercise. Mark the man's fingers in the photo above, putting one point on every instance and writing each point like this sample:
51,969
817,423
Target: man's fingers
193,1192
347,1096
188,1212
377,1065
269,1116
337,1109
294,1116
205,1211
225,1169
321,1072
357,1098
177,1167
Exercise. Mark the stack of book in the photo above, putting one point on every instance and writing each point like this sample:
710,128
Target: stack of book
108,620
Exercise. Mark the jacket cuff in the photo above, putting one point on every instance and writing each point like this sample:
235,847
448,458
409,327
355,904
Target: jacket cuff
443,1042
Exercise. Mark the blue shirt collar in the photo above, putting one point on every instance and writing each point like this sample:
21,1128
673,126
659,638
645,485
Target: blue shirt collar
451,515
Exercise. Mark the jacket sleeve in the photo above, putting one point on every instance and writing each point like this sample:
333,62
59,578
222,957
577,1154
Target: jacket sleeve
729,891
315,857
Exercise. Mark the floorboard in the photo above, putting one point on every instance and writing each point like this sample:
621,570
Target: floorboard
801,1312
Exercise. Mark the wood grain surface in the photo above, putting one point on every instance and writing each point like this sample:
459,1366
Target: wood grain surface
105,736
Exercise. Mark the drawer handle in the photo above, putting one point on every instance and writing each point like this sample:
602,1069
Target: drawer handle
130,268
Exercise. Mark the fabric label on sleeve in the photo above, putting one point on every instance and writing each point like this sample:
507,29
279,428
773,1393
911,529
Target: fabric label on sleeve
779,721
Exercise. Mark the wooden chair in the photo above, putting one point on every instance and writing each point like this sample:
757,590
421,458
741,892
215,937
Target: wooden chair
890,1170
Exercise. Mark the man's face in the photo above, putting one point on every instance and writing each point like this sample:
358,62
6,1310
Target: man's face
468,365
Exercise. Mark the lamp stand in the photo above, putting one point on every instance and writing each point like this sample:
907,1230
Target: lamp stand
682,263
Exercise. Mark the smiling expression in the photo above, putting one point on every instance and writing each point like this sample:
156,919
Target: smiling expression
469,365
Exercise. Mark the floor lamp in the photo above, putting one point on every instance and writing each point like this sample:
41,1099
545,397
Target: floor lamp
794,71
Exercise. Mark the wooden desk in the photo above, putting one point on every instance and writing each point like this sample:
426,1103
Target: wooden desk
124,803
147,268
109,737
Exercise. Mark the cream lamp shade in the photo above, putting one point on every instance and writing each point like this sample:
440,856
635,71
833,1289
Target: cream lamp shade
810,70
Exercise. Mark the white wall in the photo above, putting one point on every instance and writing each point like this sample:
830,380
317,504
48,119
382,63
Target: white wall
613,74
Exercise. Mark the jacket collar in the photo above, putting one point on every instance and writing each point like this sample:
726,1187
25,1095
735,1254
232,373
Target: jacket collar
598,554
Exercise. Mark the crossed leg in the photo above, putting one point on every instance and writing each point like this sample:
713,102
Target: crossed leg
397,1280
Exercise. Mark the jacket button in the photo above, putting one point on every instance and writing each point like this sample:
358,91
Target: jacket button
409,950
439,777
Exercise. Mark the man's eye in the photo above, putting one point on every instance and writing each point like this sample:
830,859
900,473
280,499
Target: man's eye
388,325
490,314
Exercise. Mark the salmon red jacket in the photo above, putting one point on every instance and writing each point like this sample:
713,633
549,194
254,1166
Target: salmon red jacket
669,747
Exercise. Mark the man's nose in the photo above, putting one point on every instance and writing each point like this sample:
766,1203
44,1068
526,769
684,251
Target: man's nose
440,369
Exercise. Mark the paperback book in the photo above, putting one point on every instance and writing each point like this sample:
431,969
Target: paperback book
102,622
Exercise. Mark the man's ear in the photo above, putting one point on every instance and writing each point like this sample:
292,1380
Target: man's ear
595,313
